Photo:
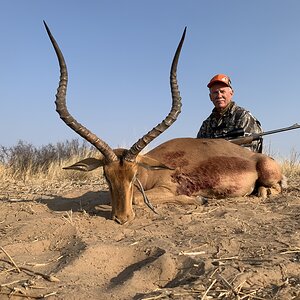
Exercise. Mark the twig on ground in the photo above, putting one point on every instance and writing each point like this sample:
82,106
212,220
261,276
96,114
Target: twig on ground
252,295
69,217
134,243
50,278
226,283
192,292
226,258
22,294
296,250
11,260
48,295
10,283
240,286
209,288
45,264
213,273
191,253
7,270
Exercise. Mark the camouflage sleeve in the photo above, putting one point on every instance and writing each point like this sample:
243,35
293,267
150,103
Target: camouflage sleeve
204,131
250,125
240,118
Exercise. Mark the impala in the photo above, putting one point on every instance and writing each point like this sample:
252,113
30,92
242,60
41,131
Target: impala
180,170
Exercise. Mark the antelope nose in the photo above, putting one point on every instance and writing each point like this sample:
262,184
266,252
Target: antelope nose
118,220
123,219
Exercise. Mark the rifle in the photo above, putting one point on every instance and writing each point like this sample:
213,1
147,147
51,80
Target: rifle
245,140
232,134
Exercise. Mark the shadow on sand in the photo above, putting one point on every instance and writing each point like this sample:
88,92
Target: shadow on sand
93,203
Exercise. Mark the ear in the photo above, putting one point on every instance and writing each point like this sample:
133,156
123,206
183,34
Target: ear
87,164
151,163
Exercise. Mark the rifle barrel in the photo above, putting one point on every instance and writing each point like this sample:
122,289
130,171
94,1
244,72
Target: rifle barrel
295,126
255,136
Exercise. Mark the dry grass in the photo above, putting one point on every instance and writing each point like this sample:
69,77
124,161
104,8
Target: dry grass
291,168
26,163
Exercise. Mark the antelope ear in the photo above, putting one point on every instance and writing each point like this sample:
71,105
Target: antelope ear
151,163
87,164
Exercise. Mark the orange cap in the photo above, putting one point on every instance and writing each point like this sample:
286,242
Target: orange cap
219,78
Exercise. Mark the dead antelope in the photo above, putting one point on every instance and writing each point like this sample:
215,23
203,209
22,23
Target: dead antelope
180,170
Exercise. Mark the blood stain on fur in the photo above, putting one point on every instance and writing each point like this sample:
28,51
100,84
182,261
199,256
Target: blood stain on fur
209,174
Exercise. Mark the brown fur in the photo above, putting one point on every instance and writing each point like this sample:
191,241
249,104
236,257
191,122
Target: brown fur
184,169
210,168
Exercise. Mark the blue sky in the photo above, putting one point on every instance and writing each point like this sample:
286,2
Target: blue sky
119,54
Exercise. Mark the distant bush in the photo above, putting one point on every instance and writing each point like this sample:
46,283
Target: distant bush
25,161
291,169
25,158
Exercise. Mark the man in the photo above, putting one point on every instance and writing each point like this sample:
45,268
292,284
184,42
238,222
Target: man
227,116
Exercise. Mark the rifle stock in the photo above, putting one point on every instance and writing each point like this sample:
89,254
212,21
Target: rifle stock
246,140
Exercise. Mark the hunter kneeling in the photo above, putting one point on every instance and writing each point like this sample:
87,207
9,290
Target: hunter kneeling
227,119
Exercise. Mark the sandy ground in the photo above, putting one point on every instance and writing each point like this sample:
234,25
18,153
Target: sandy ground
58,242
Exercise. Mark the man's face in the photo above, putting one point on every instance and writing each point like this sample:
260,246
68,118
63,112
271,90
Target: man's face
220,95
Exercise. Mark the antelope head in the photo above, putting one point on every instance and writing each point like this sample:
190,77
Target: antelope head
120,166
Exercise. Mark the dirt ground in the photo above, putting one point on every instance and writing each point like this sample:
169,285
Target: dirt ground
58,242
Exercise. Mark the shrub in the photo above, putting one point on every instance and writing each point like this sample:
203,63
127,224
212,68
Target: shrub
26,160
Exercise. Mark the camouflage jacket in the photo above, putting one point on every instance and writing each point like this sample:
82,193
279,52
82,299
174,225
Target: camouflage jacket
234,117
